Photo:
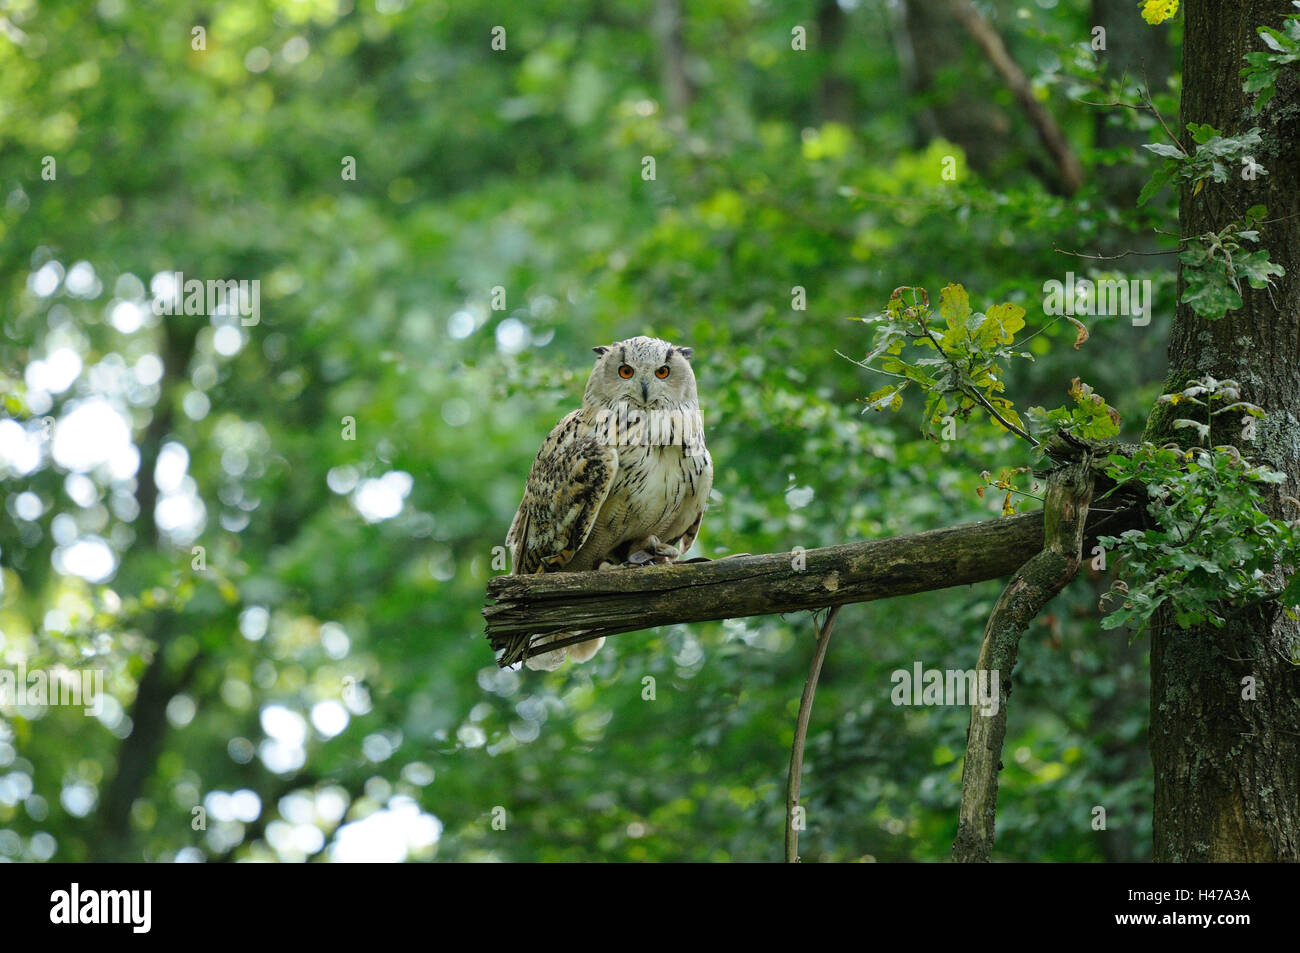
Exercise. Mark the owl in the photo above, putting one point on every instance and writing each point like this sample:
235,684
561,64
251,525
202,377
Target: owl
621,482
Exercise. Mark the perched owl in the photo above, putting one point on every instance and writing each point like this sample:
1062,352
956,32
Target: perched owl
620,482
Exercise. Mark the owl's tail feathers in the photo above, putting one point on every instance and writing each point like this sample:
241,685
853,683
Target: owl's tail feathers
550,661
583,651
547,661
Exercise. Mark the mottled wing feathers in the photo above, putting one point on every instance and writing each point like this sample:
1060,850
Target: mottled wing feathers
566,486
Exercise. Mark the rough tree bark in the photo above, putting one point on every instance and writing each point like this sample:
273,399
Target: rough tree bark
1227,771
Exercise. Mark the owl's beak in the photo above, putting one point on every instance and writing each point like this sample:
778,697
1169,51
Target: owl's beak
645,391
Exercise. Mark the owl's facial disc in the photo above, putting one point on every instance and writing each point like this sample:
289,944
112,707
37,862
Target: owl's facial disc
642,372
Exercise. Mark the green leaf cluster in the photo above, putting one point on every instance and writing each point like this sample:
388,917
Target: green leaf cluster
1261,73
1090,417
1218,262
1215,158
1212,548
957,361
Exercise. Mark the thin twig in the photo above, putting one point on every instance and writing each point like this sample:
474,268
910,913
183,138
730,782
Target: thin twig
1123,254
865,366
1089,102
801,734
1024,340
1151,104
1148,106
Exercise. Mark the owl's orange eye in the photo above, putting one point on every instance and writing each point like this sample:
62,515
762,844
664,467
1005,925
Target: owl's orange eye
662,372
625,371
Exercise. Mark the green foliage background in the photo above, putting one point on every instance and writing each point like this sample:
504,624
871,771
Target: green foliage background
523,169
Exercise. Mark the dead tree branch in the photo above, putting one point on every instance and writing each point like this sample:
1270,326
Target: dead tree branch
801,735
607,603
1069,494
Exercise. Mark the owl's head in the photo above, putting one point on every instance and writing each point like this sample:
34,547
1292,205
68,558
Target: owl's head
642,371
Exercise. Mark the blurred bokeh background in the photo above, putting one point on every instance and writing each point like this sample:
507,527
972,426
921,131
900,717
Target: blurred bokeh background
273,539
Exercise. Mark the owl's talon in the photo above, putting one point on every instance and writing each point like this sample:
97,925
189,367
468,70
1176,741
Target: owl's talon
606,566
651,551
664,550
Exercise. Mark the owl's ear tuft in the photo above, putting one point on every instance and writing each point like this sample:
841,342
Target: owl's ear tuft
686,352
601,349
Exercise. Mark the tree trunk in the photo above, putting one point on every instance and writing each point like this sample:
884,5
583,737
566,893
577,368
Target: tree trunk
935,48
137,754
1227,770
678,91
957,94
834,93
